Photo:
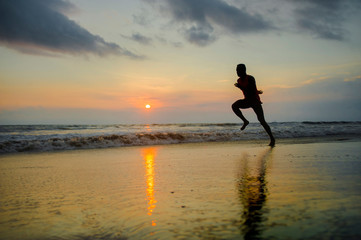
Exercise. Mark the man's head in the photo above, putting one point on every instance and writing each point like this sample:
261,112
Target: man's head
241,70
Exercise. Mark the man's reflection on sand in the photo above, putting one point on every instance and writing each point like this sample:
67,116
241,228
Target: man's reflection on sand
149,157
252,187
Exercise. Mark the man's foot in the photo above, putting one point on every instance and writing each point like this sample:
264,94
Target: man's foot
245,123
272,143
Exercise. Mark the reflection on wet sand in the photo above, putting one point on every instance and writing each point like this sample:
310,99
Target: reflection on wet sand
252,188
149,157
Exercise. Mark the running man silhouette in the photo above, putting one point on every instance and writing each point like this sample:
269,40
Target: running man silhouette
247,84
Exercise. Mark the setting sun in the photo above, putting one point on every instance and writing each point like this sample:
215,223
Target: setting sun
147,106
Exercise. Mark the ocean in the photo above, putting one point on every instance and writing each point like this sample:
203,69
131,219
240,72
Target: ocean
45,138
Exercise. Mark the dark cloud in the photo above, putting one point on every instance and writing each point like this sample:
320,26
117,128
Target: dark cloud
41,26
199,35
322,18
200,17
201,22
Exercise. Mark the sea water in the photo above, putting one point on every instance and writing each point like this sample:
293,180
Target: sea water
40,138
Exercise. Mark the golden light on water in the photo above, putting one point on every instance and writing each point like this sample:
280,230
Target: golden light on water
149,157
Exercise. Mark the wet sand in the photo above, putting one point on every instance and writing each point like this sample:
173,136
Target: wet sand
238,190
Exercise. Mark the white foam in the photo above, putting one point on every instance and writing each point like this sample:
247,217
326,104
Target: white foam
62,137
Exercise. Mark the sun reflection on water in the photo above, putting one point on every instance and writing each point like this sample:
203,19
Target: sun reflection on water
147,128
149,157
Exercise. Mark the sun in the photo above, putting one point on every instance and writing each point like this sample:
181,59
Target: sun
147,106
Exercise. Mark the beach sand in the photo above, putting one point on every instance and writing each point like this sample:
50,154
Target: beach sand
234,190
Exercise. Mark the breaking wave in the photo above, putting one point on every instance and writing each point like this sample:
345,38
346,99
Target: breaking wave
40,138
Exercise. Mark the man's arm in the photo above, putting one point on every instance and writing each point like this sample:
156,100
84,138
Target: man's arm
253,87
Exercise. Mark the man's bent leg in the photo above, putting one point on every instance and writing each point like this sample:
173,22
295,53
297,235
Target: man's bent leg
235,107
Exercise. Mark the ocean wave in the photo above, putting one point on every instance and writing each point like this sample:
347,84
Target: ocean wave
330,123
42,138
105,141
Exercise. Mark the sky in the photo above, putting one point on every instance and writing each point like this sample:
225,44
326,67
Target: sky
101,62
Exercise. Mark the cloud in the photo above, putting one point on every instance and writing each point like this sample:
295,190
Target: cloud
202,22
318,89
321,18
140,38
324,18
37,26
199,35
331,100
353,79
164,41
198,19
141,19
218,12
